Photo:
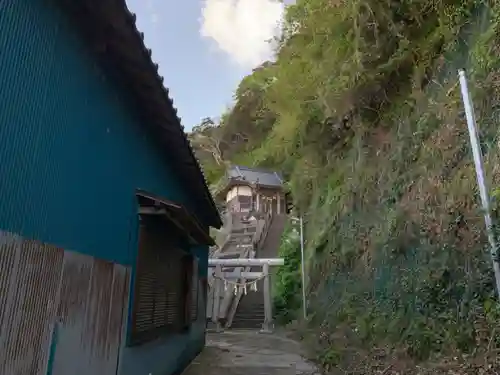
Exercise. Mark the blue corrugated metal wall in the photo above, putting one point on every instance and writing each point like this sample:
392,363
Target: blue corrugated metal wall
72,155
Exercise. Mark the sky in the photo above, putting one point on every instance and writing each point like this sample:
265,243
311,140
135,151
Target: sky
205,47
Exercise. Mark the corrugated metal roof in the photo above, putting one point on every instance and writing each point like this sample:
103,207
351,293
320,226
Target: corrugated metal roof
255,176
111,34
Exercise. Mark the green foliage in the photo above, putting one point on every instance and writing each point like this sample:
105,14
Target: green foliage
362,112
288,278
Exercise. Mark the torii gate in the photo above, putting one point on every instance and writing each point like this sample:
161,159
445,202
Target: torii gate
220,276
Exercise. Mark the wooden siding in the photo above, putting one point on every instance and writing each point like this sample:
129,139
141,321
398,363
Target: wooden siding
60,312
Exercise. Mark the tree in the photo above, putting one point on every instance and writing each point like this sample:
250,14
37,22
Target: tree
208,137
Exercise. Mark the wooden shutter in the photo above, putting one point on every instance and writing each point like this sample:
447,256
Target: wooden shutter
144,287
194,290
158,306
174,291
187,272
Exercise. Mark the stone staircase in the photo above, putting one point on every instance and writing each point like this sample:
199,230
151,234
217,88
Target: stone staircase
250,311
248,315
243,236
259,238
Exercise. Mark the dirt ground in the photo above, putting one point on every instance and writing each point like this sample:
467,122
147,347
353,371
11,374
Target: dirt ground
250,353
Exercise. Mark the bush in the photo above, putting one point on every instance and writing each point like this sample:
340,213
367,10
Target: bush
287,288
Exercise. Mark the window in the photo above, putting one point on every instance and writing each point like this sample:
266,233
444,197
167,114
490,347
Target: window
165,299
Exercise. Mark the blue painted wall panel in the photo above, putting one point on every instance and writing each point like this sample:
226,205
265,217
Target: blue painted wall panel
71,153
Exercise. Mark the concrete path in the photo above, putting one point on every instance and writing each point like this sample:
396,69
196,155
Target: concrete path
250,353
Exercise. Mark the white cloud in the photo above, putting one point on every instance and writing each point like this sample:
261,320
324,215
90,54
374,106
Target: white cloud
242,28
153,15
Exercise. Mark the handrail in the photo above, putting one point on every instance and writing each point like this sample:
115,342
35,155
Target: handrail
265,229
220,250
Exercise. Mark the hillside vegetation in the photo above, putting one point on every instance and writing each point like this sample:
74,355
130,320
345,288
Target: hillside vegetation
361,111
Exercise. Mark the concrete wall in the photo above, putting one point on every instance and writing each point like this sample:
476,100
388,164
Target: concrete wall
72,154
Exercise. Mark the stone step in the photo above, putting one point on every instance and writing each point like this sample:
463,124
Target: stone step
247,324
248,314
250,305
254,319
249,317
247,311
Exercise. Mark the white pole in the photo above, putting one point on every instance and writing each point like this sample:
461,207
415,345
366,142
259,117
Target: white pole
303,265
476,152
